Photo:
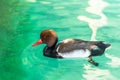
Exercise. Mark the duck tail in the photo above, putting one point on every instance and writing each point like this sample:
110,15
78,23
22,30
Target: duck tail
102,44
101,48
107,45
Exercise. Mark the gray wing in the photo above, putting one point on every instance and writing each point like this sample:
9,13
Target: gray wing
75,44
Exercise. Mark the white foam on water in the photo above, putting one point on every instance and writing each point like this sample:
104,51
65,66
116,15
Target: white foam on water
115,61
31,0
97,74
96,7
45,2
118,15
58,7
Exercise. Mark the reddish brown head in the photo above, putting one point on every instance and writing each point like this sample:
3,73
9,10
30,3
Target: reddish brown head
47,37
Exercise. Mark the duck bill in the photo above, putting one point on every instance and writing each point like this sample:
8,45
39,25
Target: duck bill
37,43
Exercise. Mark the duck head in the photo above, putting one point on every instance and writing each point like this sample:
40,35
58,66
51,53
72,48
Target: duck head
48,37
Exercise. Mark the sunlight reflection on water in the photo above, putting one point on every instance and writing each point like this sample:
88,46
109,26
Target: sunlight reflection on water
96,7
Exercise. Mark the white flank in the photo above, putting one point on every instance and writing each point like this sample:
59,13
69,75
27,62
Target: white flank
76,54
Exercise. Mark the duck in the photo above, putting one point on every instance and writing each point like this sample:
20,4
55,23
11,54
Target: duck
70,48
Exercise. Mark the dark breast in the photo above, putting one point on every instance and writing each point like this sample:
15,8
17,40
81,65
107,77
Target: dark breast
48,51
51,52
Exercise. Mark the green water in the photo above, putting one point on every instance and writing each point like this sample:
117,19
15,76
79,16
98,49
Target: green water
21,22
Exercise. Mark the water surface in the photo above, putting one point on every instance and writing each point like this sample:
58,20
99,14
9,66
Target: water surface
22,21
